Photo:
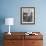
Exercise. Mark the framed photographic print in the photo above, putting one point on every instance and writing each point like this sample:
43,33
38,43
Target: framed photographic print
27,15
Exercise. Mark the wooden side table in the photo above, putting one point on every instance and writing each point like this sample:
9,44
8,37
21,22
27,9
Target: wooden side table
20,39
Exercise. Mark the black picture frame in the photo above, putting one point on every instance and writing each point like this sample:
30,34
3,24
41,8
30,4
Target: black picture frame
27,15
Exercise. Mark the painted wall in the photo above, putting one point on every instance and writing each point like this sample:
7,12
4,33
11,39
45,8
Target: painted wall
11,8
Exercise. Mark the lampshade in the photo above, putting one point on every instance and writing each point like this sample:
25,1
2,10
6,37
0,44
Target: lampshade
9,21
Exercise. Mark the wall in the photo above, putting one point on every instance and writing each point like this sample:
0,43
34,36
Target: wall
11,8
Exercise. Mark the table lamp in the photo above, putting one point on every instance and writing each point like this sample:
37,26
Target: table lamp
9,21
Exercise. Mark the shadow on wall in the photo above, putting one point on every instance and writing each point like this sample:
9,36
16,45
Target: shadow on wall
2,21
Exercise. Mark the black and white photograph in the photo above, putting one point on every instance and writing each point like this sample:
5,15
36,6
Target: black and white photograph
27,15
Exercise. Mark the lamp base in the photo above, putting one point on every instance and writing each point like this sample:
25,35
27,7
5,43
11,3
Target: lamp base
9,33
